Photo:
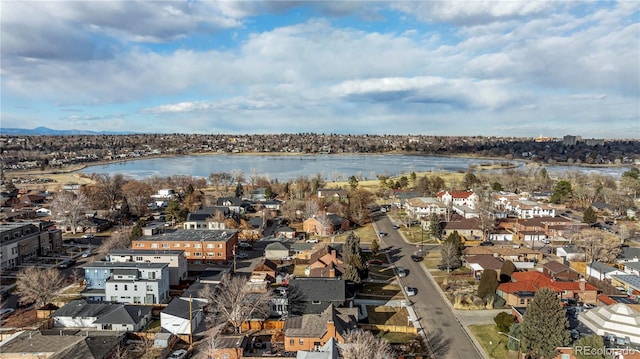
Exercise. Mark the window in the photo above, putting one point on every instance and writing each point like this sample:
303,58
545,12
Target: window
521,300
187,254
138,258
292,342
114,298
165,245
152,275
149,288
197,245
219,245
210,245
300,341
136,300
135,287
187,245
176,245
197,254
116,287
126,287
315,302
139,244
219,254
209,254
154,245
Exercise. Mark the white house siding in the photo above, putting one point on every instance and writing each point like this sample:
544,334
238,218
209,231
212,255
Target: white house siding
177,325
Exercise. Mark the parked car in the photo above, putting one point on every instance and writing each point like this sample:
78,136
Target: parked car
486,244
242,255
395,226
6,312
411,291
87,253
67,264
416,258
383,234
376,262
87,236
178,354
312,240
401,272
245,245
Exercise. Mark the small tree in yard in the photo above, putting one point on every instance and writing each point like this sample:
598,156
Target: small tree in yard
375,246
589,216
37,285
590,347
362,344
506,271
488,283
544,326
236,304
504,321
450,256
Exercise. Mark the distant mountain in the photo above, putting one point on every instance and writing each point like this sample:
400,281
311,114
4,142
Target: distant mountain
51,132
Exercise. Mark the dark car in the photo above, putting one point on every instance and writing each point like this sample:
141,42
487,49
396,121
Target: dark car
376,262
486,244
67,264
416,258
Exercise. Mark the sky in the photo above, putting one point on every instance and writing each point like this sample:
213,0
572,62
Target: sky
445,68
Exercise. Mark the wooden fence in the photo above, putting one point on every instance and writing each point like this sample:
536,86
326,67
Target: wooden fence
389,328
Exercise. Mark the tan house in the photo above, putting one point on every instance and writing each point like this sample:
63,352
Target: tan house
267,268
312,331
512,253
469,229
325,225
326,262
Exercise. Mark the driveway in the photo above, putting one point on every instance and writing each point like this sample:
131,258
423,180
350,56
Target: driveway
443,330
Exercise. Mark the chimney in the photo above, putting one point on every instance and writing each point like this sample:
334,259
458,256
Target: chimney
332,272
331,328
583,285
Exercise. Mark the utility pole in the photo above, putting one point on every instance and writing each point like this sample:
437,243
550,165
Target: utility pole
190,322
235,246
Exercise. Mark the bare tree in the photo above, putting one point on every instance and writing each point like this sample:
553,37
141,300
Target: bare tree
235,303
311,208
362,344
138,195
38,285
598,245
450,256
69,208
120,239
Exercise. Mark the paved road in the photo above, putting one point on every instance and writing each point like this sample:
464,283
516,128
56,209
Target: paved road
446,336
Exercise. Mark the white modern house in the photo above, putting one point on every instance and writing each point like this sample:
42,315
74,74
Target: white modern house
458,198
127,282
182,317
175,259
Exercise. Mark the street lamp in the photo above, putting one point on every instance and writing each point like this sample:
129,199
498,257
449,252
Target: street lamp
514,338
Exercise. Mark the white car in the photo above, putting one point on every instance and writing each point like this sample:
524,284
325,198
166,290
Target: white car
87,253
178,354
6,312
87,236
410,291
312,240
401,272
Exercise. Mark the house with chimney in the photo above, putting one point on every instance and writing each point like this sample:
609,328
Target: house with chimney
312,331
524,285
326,262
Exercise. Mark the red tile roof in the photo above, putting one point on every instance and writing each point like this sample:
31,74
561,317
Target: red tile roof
533,280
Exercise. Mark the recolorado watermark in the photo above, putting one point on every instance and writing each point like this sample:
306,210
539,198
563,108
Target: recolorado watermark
587,350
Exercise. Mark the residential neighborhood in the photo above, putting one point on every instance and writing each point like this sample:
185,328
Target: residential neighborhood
217,273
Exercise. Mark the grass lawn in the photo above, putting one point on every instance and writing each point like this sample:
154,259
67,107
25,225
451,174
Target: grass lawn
387,315
154,326
380,291
397,338
494,344
366,234
381,273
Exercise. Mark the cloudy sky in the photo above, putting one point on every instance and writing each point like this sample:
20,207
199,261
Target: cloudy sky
503,68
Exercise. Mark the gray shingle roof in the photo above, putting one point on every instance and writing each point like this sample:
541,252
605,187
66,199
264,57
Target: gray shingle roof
125,315
322,289
315,325
180,308
82,308
602,267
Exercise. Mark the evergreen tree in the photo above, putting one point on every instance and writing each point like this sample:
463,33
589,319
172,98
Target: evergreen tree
189,189
589,216
375,246
351,273
488,283
514,332
268,192
496,186
561,191
136,231
353,183
434,226
457,240
506,271
544,327
504,321
239,190
351,252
